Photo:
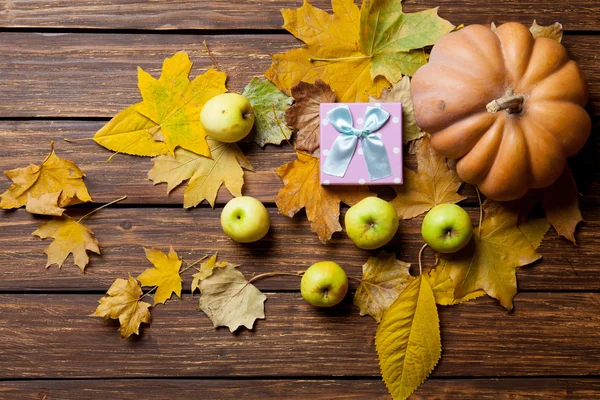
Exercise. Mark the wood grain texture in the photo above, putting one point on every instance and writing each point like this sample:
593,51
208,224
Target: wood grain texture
290,246
23,142
264,14
46,336
326,389
94,75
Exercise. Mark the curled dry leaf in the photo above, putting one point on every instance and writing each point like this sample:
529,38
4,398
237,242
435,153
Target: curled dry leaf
554,31
165,274
168,113
561,204
304,114
383,279
40,183
206,175
206,270
301,189
70,237
123,302
400,93
46,204
491,260
228,299
408,339
270,107
433,183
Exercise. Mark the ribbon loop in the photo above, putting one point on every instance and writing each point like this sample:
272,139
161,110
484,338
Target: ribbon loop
344,146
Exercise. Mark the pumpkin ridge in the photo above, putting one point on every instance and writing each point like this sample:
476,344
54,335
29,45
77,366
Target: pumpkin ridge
484,55
496,129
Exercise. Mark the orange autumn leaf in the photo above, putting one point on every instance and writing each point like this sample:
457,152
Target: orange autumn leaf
301,189
123,302
356,51
53,184
561,204
329,36
433,183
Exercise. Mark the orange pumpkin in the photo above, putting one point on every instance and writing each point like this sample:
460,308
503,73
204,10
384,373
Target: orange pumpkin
509,107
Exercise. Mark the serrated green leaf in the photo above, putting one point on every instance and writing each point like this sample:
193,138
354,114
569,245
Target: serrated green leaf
389,37
269,106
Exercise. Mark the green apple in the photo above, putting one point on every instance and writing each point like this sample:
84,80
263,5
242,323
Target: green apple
227,117
371,223
324,284
245,219
447,228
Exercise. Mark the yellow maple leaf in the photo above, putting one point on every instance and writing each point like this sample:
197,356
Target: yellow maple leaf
383,279
326,36
53,175
123,302
206,175
357,52
433,183
174,103
491,260
408,340
301,189
206,269
70,237
131,132
165,274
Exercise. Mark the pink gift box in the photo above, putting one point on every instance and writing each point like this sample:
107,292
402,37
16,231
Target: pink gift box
357,172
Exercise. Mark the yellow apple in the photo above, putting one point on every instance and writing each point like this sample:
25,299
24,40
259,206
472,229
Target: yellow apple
371,223
245,219
324,284
227,117
447,228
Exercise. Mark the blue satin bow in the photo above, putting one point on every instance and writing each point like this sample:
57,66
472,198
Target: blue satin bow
344,146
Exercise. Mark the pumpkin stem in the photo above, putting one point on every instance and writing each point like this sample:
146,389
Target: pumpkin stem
511,102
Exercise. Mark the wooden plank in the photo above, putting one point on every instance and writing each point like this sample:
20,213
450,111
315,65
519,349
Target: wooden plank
329,389
289,247
94,75
22,142
53,336
263,14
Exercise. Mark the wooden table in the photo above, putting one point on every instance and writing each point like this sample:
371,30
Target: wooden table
66,67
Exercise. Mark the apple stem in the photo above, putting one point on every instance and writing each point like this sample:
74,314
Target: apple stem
480,209
101,207
420,254
270,274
